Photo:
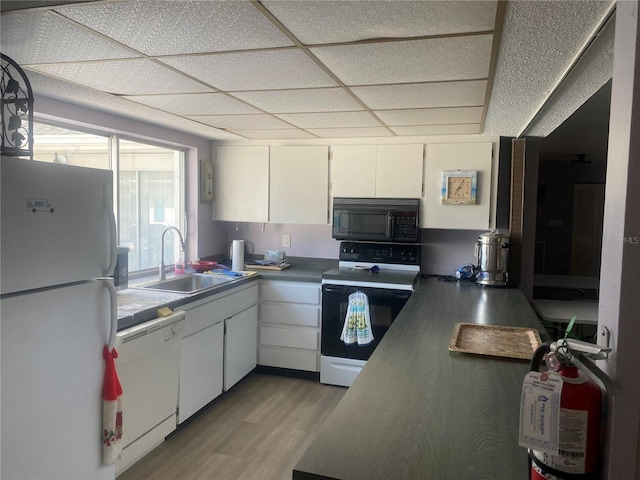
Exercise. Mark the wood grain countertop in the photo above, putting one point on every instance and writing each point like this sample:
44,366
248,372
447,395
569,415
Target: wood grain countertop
419,411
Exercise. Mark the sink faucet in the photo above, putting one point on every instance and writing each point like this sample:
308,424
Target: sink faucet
183,248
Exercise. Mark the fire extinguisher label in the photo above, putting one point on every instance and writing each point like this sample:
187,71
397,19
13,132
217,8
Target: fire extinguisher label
573,441
540,412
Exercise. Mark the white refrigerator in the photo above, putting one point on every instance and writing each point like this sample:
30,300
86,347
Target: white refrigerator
57,238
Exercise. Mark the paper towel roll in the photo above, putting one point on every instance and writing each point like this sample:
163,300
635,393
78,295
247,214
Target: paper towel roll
237,263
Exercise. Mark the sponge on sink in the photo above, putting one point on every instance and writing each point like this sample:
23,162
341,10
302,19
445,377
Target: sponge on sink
164,312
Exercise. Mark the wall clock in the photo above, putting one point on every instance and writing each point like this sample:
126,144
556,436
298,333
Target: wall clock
459,187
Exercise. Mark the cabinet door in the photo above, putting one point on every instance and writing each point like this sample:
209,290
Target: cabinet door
353,171
458,156
241,344
299,184
201,369
399,171
241,184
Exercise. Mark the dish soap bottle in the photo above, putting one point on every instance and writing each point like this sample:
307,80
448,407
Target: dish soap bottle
179,266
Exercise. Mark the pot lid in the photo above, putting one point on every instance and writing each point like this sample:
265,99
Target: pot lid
493,236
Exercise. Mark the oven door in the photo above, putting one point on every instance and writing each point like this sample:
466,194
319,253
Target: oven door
384,306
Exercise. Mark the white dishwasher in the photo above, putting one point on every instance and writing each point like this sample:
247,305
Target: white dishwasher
148,367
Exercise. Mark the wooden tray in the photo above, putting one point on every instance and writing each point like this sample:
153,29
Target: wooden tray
257,266
494,340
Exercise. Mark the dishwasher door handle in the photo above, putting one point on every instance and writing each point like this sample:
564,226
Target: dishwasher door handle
152,325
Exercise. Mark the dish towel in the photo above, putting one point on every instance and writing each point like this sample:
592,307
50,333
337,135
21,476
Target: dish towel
111,410
357,322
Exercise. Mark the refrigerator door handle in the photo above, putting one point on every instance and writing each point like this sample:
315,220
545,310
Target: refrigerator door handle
112,233
113,295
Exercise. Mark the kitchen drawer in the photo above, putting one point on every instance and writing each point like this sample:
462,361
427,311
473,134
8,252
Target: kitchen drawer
288,358
295,292
293,314
235,302
289,337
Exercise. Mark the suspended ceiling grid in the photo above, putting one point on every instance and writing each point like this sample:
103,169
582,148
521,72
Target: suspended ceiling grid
302,69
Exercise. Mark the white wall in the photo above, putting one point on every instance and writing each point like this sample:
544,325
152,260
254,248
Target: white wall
620,267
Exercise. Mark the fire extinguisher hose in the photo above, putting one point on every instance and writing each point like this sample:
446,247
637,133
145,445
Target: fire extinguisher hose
538,356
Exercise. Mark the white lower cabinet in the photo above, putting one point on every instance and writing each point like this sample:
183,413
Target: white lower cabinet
201,370
241,338
289,327
208,356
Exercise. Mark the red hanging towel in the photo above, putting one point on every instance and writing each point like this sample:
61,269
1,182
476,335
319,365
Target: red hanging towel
111,410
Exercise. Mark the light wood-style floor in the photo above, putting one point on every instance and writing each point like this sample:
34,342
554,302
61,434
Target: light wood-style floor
256,431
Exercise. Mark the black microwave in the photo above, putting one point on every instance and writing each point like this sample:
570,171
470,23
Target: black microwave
376,219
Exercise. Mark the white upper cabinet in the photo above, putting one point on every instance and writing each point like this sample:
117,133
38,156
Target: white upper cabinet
477,157
298,184
391,171
353,171
241,184
399,171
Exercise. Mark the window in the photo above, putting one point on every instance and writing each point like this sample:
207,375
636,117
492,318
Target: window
150,199
150,186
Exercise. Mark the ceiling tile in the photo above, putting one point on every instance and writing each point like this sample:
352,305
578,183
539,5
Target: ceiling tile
304,100
264,70
75,94
437,129
160,27
422,95
122,77
314,22
195,103
351,132
454,58
431,116
332,119
44,37
278,134
248,122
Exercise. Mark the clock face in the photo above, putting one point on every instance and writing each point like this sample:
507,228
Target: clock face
459,188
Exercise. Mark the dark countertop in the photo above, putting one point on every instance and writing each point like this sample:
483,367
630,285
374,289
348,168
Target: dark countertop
419,411
136,306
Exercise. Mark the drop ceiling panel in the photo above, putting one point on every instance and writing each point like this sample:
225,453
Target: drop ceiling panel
454,58
122,77
351,132
304,100
533,59
333,119
195,103
437,129
431,116
247,122
254,70
316,22
76,94
185,26
277,134
44,37
423,95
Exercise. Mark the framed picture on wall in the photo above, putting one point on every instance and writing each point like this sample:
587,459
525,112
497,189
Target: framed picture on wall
206,181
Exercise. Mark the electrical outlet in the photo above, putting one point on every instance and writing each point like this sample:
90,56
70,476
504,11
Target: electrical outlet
286,240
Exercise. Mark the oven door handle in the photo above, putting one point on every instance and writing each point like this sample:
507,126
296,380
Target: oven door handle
380,292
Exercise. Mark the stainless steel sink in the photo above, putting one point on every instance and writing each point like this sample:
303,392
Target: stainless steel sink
188,284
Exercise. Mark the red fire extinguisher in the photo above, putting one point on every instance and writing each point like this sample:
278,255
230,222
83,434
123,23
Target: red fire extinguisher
580,422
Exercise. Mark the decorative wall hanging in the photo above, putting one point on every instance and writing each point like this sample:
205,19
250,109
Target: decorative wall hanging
459,187
206,181
17,110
